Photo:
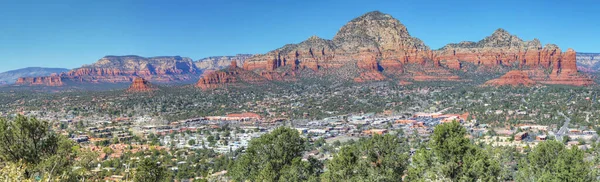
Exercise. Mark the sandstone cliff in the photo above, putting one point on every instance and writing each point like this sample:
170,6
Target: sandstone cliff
232,75
547,64
376,47
375,43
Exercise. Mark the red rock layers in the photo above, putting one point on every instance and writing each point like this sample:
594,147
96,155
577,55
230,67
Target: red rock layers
233,76
119,69
512,78
547,65
141,85
53,80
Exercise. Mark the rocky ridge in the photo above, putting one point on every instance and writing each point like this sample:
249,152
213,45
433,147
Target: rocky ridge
544,64
380,48
371,47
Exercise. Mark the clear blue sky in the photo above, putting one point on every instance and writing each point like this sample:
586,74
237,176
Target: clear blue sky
70,33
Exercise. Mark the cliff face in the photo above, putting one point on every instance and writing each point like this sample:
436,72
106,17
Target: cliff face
232,75
122,69
141,85
52,80
371,47
375,43
376,47
547,64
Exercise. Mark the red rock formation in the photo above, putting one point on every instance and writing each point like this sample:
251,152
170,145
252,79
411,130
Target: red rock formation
217,79
512,78
53,80
503,49
370,76
234,76
141,85
453,64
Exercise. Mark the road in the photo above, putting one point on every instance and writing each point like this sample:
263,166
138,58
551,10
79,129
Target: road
564,129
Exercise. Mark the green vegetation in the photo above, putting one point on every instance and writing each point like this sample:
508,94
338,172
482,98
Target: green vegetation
452,157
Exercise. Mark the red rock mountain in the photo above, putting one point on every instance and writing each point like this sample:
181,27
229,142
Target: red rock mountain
375,47
141,85
547,65
371,47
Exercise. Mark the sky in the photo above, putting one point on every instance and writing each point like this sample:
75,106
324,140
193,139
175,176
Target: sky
71,33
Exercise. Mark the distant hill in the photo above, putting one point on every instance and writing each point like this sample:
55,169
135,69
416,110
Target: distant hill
11,77
588,62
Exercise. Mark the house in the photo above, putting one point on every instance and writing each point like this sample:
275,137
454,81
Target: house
520,136
404,122
375,131
541,137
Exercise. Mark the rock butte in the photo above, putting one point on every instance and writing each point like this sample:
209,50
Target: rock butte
141,85
371,47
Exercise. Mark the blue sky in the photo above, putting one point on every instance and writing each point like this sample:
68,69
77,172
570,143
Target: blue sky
70,33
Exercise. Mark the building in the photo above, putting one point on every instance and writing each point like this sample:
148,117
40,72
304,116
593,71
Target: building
375,131
541,137
520,136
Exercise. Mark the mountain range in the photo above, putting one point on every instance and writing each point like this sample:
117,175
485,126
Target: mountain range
371,47
588,62
10,77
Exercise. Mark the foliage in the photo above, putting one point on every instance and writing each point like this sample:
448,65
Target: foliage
452,157
551,161
149,170
380,158
271,155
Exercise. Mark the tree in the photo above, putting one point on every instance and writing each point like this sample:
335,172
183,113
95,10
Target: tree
26,139
191,142
30,141
268,155
380,158
551,161
452,157
149,170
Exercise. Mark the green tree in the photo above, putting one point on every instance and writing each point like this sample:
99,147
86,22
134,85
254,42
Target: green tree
452,157
149,170
380,158
31,142
26,139
551,161
268,155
